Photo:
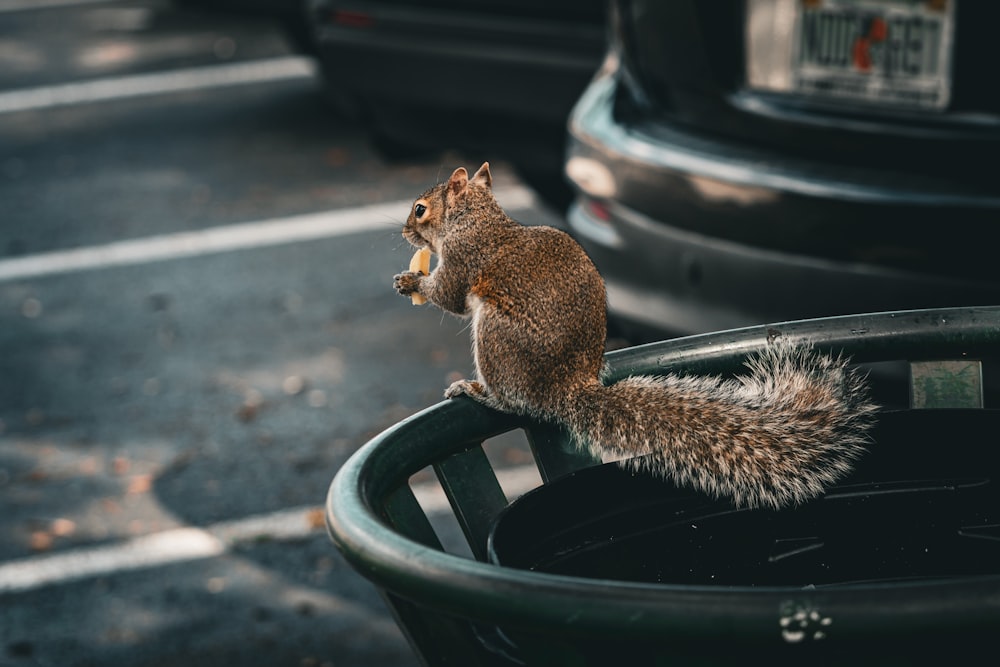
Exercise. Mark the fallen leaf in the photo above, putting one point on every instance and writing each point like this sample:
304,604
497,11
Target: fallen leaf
110,506
316,518
120,465
140,484
62,527
247,412
40,541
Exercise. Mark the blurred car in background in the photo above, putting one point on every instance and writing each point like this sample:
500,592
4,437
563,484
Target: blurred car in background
495,76
738,162
290,14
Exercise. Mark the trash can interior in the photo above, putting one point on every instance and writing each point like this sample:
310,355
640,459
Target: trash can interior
920,505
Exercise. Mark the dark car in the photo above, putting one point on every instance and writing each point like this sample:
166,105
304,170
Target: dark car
497,76
290,14
740,162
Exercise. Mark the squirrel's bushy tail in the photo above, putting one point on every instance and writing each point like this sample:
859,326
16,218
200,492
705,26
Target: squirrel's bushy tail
774,437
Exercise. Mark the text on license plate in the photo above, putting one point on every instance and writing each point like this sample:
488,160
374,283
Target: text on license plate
886,52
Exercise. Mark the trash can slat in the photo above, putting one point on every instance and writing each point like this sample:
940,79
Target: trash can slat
405,514
555,452
475,495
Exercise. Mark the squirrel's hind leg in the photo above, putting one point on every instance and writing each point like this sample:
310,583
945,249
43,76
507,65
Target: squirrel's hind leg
470,388
475,390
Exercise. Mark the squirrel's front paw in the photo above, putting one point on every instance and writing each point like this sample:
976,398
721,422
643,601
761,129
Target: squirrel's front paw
469,388
407,283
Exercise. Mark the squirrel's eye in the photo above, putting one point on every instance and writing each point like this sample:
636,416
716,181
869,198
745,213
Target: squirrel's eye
419,210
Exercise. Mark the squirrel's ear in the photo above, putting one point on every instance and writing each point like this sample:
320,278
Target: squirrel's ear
483,176
459,179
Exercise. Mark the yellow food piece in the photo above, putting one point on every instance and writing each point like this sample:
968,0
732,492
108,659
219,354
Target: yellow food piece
420,262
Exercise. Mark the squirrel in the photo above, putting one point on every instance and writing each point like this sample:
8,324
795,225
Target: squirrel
777,436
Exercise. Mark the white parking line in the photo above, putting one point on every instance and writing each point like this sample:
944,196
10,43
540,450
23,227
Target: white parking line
139,85
24,5
188,544
277,231
172,546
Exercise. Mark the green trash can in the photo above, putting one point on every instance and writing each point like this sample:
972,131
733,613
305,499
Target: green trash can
897,564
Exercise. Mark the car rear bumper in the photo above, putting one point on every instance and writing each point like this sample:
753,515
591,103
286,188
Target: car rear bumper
680,282
696,234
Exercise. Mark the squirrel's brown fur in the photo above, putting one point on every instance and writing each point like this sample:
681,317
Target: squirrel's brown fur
774,437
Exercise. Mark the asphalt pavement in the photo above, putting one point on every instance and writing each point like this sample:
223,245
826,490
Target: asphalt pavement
197,328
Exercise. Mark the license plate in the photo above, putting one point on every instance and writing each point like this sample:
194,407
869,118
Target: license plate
874,52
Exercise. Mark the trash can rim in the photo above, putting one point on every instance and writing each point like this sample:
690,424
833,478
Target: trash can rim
449,582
